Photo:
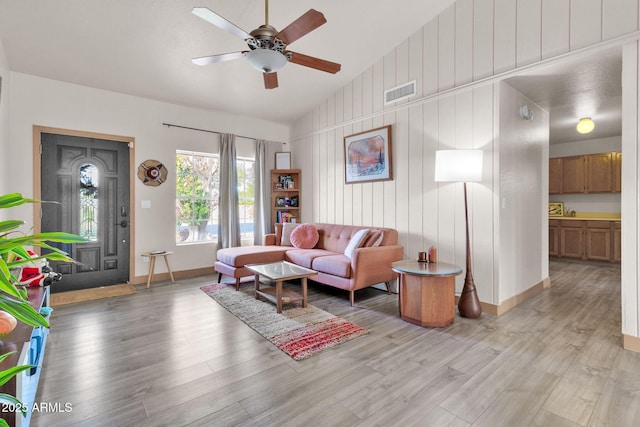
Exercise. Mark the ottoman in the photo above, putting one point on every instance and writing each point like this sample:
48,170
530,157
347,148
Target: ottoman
231,261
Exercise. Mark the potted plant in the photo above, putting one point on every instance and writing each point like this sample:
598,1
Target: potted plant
13,298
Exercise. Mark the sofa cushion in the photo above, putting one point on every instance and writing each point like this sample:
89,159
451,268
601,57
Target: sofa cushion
356,241
336,265
287,229
305,257
304,236
243,255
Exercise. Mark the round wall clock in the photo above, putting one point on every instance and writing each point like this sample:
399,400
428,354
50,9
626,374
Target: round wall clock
152,173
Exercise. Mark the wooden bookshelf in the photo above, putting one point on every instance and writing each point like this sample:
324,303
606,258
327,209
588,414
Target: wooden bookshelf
285,195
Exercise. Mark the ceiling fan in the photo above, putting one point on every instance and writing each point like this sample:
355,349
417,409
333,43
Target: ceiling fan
267,46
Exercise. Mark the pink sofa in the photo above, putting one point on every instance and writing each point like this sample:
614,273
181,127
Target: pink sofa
368,265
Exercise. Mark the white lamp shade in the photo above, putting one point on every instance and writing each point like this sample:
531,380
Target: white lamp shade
458,166
266,60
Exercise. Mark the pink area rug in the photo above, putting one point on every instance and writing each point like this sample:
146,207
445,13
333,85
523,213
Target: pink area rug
299,332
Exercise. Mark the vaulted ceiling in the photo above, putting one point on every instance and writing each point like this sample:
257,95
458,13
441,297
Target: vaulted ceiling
144,48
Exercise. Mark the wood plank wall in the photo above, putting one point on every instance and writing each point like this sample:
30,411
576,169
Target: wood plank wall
469,42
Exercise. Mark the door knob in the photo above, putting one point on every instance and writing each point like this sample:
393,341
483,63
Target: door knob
123,223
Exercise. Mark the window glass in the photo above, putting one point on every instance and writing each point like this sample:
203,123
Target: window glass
197,183
89,202
197,190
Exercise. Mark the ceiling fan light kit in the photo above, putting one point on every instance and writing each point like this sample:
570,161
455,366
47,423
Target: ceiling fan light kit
585,125
267,45
265,60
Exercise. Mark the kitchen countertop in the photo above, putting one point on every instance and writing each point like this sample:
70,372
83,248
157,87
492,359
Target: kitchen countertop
586,218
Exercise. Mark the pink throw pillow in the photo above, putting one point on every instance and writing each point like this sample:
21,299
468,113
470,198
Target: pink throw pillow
304,236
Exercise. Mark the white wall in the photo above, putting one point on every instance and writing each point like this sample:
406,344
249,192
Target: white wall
38,101
4,124
630,191
524,183
469,42
589,146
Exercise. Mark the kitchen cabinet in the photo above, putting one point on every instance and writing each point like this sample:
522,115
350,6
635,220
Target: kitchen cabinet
599,173
617,241
585,239
555,176
573,170
554,237
598,240
592,173
572,239
617,172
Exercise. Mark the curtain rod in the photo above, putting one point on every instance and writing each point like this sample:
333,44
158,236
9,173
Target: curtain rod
169,125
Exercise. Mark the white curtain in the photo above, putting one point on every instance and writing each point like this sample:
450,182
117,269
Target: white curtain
262,193
228,204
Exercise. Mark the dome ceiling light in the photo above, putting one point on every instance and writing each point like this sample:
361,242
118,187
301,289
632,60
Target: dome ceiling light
585,125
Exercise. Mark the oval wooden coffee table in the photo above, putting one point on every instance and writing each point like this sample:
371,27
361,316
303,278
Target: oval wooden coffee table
427,292
280,272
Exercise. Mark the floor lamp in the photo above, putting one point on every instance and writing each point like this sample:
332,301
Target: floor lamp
463,166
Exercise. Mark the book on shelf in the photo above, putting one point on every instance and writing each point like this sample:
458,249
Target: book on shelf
285,216
285,182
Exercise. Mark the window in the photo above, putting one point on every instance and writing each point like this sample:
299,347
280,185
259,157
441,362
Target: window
197,186
89,202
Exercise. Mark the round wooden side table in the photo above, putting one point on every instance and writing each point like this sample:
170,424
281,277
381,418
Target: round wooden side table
427,292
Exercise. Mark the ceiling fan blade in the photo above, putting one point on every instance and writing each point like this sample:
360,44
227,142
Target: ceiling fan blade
217,20
270,80
301,26
206,60
317,63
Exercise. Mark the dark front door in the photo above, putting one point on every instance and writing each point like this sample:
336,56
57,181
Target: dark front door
90,179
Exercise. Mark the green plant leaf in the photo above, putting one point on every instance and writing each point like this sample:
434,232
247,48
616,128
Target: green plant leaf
22,311
12,400
11,199
21,252
38,239
7,374
5,280
9,225
4,356
23,261
53,249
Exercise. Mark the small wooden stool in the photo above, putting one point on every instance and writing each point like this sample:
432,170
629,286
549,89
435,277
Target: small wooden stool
152,264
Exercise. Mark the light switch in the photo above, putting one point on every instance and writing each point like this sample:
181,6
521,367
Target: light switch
146,204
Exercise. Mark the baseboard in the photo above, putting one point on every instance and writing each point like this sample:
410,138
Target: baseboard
508,304
631,343
184,274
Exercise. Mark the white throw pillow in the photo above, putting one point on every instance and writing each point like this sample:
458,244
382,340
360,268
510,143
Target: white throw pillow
287,228
355,242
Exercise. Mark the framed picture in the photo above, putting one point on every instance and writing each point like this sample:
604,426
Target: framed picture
283,160
556,209
367,156
280,202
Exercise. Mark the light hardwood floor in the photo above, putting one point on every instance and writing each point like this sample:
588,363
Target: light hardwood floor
171,356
